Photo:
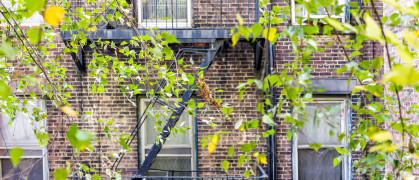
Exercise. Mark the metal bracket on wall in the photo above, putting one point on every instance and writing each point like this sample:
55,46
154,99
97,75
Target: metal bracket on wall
78,58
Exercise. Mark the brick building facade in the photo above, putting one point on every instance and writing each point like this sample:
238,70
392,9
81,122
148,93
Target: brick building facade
204,23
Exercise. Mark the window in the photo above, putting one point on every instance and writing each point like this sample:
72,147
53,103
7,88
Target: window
164,13
35,20
299,11
177,152
324,117
34,160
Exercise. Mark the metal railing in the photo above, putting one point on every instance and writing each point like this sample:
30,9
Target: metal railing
179,14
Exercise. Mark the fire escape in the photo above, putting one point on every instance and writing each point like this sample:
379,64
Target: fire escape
203,31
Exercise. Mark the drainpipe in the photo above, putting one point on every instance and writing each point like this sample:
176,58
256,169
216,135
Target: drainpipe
271,140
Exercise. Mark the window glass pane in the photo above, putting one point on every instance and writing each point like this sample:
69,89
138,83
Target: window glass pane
322,118
171,163
27,168
21,132
159,9
174,138
318,165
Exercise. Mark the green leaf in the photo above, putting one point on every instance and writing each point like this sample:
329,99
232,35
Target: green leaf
35,35
34,6
4,90
96,177
246,148
230,151
247,173
241,160
227,110
256,30
191,104
79,139
267,119
373,30
315,146
16,155
172,39
60,174
336,24
336,161
8,49
225,165
377,63
200,105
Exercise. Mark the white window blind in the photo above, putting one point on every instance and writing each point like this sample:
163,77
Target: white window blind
165,13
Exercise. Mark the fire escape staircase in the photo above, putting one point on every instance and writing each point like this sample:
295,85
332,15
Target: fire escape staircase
177,111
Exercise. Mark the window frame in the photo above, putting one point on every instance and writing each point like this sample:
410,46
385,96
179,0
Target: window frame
44,150
167,24
142,146
345,121
340,16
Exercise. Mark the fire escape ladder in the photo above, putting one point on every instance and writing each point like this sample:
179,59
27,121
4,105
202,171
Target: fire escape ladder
177,111
171,122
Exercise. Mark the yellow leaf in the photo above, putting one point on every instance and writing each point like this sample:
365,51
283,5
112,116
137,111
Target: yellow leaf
211,148
255,154
404,53
383,148
69,111
402,75
416,156
263,160
93,28
269,33
416,33
411,38
54,15
373,30
215,138
240,19
381,136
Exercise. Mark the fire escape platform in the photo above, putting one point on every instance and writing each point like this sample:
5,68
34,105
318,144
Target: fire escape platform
188,35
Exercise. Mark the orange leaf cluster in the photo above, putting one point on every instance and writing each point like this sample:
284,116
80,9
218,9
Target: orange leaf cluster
205,92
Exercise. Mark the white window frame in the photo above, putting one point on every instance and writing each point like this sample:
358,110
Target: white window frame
25,147
143,104
164,23
25,24
344,143
313,16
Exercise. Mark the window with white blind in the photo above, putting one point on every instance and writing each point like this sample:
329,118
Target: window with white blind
324,118
177,152
299,11
164,13
21,134
35,20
